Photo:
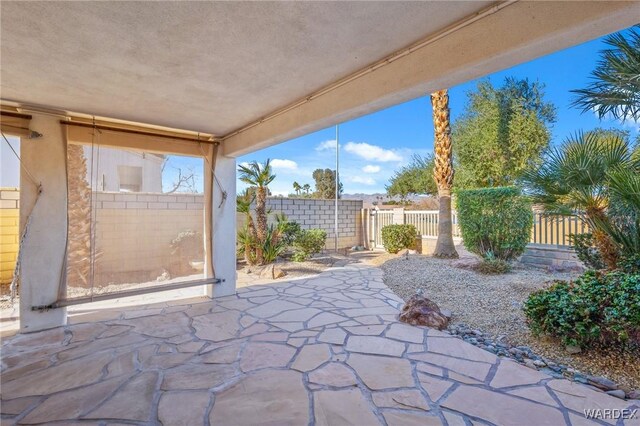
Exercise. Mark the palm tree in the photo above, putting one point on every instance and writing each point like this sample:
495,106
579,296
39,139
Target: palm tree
443,173
79,193
297,188
590,176
259,176
615,89
306,187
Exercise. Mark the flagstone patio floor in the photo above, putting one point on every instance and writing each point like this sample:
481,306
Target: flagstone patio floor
327,350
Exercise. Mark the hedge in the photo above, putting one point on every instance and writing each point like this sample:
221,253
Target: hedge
494,222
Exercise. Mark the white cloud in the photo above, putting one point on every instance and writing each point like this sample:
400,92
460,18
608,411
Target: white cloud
369,168
365,180
279,164
371,152
326,145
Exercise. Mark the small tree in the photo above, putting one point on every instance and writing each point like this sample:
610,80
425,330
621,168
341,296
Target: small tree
414,178
326,184
501,133
495,222
259,176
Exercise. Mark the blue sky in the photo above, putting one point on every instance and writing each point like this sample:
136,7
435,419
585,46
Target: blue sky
375,145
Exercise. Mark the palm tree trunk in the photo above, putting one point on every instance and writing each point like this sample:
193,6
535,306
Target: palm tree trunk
443,173
79,193
261,222
603,242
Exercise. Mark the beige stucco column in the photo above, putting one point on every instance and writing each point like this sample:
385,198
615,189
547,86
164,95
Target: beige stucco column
224,227
43,251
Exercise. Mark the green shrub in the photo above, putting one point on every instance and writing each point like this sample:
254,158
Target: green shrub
586,250
494,220
308,243
491,265
398,237
595,308
288,229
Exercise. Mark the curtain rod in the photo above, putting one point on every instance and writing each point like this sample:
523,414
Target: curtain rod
132,131
15,114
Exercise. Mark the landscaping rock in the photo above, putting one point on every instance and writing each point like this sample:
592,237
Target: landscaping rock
573,349
618,393
272,272
421,311
634,394
602,383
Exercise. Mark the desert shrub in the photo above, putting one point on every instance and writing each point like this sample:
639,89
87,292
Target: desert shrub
398,237
271,248
494,220
596,308
307,243
288,229
188,245
586,251
490,265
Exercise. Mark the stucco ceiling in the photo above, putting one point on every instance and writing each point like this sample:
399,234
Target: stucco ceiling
202,66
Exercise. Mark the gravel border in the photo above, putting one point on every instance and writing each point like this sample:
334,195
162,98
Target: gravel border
487,312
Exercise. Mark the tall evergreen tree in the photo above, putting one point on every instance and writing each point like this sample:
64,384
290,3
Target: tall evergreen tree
502,133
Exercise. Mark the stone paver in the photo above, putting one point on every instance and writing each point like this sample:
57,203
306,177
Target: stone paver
321,350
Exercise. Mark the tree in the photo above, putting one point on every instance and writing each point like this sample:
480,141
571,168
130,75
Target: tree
414,178
595,175
502,133
615,86
443,173
306,187
326,184
297,188
259,176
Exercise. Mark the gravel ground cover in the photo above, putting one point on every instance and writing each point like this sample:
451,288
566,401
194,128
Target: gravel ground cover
493,305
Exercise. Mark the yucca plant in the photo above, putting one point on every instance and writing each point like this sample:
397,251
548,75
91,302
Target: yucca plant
592,175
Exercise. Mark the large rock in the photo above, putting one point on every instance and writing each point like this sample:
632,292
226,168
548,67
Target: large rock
272,272
421,311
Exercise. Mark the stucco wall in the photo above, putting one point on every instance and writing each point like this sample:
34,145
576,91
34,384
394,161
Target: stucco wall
9,232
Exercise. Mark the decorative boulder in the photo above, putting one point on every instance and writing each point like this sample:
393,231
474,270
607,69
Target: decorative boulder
272,272
421,311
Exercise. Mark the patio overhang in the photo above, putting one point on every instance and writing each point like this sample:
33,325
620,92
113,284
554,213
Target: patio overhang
246,74
256,74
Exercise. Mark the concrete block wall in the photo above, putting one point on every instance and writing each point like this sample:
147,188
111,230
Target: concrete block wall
9,232
320,213
134,232
551,257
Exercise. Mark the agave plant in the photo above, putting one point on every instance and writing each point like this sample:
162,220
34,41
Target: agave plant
593,175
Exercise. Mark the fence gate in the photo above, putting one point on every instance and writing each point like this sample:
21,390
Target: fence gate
379,219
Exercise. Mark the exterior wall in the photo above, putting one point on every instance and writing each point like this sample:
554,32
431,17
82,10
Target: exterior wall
551,257
314,213
9,232
107,177
134,232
